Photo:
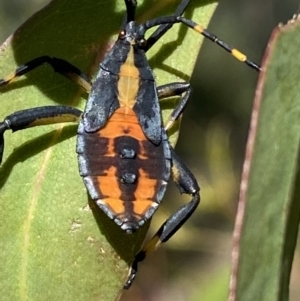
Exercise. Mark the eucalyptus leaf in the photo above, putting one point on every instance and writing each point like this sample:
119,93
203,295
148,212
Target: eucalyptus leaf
269,208
53,246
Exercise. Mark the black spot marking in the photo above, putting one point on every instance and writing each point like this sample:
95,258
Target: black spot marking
128,178
127,153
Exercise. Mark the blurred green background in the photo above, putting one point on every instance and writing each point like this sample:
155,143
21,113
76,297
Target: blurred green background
195,265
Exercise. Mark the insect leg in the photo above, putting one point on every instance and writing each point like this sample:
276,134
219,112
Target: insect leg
162,29
24,119
174,89
186,183
59,65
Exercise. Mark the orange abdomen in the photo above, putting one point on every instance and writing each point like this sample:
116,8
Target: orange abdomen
124,172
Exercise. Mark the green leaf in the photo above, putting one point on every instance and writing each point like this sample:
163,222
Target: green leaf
52,245
269,208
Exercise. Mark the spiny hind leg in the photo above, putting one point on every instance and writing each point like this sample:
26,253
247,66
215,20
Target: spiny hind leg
186,183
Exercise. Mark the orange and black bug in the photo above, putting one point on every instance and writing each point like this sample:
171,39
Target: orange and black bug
124,155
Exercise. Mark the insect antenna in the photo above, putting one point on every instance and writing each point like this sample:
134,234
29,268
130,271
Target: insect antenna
130,9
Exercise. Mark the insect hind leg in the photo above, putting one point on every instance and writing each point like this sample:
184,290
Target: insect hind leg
186,183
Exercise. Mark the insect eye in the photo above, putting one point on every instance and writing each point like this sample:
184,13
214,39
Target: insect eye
122,34
142,42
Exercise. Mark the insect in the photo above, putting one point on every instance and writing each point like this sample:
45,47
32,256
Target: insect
124,155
